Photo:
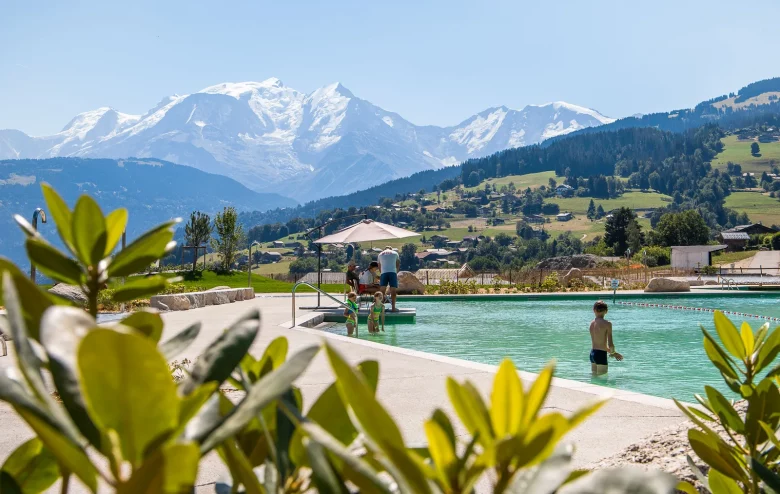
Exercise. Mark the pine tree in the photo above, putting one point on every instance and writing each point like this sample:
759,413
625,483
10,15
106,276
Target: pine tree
600,212
591,210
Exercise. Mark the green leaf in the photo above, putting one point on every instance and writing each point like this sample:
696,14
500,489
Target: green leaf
625,479
770,478
720,484
275,352
729,335
769,350
470,411
70,456
33,301
764,407
330,412
442,452
715,453
62,329
375,422
506,400
29,363
180,342
443,420
240,466
545,478
716,356
263,392
721,406
147,323
224,354
323,474
143,251
537,394
686,488
355,470
139,287
53,263
747,337
172,468
116,222
192,403
541,439
60,213
88,228
128,388
33,467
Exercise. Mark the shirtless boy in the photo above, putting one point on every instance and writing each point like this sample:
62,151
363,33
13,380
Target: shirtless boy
601,340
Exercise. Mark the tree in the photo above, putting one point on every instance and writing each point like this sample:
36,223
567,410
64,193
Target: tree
230,235
616,230
686,228
755,149
503,239
196,233
305,265
600,212
591,210
409,261
552,183
634,236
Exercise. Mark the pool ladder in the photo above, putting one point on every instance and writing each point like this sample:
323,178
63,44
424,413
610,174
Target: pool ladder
295,287
728,284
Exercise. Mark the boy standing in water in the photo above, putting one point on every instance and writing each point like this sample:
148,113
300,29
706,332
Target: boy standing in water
601,340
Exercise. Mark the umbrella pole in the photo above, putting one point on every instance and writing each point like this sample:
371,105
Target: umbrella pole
319,270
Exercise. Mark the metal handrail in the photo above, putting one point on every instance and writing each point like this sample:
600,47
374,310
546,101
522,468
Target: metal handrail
729,282
295,287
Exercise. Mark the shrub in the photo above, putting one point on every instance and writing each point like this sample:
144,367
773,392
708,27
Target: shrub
551,283
122,421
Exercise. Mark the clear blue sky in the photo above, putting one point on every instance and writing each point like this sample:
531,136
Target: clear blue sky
433,62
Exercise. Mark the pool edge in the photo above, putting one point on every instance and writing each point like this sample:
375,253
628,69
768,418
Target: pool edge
601,392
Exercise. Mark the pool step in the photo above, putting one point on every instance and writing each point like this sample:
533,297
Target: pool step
407,315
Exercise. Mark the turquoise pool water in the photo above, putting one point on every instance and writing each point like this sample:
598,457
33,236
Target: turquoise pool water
662,347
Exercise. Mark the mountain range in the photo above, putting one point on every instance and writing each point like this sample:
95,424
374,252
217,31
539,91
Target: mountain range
152,190
273,138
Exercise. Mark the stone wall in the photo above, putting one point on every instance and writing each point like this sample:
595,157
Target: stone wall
185,301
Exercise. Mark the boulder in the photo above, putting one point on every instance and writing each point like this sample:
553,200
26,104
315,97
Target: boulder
221,298
668,285
564,263
70,292
409,284
573,274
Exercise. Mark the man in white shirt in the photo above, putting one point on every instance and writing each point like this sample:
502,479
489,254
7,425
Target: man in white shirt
389,263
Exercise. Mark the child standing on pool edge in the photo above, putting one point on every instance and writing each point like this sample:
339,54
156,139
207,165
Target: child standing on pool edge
601,340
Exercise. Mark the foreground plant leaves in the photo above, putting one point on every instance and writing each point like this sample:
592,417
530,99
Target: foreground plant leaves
128,389
31,468
170,469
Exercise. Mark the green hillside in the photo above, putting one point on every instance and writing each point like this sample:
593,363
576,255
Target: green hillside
760,207
738,151
532,180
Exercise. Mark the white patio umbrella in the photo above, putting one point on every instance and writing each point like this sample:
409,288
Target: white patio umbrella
366,231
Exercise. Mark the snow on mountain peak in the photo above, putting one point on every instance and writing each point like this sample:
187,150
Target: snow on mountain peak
557,105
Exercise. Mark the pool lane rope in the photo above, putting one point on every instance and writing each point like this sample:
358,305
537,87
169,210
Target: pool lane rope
697,309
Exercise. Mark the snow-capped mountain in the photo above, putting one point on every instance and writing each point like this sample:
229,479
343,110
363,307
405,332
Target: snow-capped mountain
271,137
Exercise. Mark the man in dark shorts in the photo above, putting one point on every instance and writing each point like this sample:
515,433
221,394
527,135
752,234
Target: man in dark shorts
601,340
389,264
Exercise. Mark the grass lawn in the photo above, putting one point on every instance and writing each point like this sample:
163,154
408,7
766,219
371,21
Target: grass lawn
729,257
261,284
579,205
532,180
758,206
738,152
281,267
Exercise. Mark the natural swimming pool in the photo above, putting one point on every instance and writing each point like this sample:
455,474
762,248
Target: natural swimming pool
662,347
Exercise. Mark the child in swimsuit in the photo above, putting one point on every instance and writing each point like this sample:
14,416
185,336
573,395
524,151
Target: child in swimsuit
376,311
349,314
601,340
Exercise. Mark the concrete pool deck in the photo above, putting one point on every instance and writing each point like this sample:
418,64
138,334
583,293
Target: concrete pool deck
411,384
